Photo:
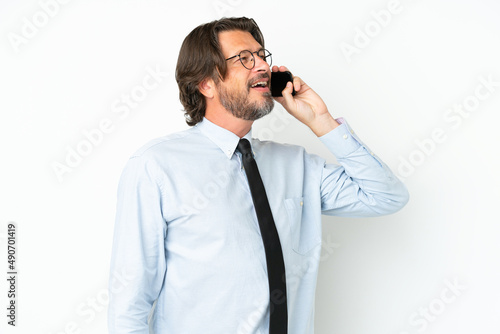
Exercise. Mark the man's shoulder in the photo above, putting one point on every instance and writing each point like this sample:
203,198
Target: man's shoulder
273,147
166,143
287,153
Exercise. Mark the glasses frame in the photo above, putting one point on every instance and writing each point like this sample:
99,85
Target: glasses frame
269,55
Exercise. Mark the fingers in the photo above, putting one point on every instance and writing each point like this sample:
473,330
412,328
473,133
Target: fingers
275,68
287,96
287,100
297,83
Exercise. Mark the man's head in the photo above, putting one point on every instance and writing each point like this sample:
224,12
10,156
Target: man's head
203,73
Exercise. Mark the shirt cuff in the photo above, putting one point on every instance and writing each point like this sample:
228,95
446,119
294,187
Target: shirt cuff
341,141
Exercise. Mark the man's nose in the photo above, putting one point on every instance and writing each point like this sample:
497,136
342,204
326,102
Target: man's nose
260,64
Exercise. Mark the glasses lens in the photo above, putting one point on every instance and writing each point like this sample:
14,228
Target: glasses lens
266,56
246,58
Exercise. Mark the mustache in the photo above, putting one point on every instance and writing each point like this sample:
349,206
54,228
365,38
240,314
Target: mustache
257,78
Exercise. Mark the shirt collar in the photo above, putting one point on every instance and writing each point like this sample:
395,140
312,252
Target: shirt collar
223,138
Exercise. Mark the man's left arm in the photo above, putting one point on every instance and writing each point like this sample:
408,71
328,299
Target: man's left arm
362,185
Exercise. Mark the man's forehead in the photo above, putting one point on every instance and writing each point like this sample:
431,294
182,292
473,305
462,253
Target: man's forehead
234,41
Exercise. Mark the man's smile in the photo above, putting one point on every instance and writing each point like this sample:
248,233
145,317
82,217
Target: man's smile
261,84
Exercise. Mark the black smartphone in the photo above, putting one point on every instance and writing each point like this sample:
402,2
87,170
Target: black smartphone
278,82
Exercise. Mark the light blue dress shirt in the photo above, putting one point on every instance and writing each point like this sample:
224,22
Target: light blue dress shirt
187,237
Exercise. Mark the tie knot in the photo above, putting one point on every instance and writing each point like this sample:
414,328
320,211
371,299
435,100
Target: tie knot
244,146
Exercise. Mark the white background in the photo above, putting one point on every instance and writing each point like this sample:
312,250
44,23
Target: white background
377,275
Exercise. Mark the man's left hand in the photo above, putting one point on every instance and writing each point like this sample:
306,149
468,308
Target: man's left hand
306,106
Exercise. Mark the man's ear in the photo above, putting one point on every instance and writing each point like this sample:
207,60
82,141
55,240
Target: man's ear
207,88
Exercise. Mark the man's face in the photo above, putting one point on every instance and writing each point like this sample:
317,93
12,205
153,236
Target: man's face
236,93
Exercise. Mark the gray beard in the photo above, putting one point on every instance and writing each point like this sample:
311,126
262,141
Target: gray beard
237,104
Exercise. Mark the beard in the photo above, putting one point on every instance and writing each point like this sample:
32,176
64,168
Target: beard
238,104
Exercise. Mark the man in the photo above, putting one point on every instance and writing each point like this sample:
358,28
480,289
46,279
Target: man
189,235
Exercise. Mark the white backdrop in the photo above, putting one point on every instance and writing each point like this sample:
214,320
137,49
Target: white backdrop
419,81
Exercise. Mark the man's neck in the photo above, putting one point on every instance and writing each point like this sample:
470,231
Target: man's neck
238,126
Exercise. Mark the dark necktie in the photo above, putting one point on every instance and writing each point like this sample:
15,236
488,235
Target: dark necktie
274,255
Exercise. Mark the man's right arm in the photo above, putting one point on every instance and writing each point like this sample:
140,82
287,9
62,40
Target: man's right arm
138,255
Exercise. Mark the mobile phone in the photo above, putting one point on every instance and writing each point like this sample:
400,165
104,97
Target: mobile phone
278,82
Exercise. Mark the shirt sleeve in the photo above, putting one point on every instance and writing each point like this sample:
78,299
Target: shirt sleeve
138,254
362,185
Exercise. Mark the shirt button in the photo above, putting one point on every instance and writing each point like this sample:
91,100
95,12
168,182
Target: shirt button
372,153
345,137
301,203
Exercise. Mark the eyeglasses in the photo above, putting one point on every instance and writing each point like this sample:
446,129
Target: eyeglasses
247,58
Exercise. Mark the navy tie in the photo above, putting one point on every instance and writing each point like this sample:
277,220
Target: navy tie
274,255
